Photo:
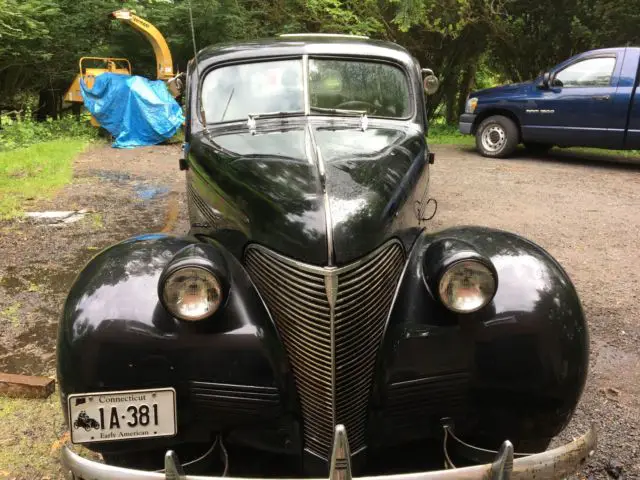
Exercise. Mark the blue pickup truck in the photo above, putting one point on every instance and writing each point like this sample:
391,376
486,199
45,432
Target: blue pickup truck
588,100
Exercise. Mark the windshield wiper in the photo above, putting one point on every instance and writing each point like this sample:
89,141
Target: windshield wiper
227,106
251,117
364,120
340,111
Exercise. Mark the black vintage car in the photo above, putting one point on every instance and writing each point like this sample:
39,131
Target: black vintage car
310,316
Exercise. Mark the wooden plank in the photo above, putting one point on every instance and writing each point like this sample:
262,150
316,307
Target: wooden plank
24,386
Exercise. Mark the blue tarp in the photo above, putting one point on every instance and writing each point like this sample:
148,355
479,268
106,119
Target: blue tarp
135,110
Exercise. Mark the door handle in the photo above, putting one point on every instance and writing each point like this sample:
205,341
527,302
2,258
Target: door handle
601,97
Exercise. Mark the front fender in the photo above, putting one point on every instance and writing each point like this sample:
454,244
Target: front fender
115,335
514,369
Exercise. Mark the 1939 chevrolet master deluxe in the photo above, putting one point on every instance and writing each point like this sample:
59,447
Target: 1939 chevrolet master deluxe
309,315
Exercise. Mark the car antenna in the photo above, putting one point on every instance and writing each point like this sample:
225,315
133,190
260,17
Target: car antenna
195,55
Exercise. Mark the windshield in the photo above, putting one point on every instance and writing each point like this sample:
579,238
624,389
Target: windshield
378,89
233,92
335,87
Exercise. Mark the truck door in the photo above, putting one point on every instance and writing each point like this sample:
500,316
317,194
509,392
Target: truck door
578,106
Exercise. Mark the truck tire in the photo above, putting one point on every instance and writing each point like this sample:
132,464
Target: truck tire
537,148
497,137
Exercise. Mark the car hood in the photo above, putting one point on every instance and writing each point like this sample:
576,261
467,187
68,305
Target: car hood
369,176
308,190
513,88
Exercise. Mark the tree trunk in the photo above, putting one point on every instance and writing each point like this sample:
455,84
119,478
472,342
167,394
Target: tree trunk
451,105
49,104
466,85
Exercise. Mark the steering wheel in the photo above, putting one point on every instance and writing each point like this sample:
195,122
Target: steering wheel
354,104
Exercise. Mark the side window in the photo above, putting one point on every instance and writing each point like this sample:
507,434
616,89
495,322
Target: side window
592,72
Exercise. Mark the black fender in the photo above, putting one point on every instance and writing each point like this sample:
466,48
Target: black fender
115,334
514,369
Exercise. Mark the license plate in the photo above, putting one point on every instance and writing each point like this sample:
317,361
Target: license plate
126,415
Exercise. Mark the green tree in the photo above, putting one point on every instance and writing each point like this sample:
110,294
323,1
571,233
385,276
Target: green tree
42,40
24,33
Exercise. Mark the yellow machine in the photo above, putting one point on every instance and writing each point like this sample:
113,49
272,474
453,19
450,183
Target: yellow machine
91,67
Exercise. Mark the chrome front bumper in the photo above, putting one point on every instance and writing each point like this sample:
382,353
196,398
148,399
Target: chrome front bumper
550,465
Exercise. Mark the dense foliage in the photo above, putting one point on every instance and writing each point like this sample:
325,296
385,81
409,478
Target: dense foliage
24,131
468,43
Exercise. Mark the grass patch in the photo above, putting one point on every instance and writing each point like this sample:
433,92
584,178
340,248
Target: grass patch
32,433
35,172
609,153
29,430
97,221
443,134
11,313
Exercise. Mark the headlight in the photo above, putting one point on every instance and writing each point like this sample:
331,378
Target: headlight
471,105
467,286
192,293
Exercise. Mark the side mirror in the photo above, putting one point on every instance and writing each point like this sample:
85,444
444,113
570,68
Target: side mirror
430,81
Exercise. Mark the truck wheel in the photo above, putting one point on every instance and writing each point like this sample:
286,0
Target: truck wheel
497,137
537,148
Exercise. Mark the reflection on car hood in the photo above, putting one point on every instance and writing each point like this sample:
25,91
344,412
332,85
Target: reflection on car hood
503,89
368,176
276,178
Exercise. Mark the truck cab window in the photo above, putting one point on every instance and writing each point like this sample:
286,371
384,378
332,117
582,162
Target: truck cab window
592,72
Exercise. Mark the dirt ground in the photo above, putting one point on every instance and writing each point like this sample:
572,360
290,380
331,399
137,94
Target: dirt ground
585,210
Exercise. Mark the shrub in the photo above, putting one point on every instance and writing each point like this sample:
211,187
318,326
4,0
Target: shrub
24,131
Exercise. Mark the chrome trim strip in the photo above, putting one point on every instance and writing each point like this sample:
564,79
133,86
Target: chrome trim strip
327,214
308,145
327,204
553,464
331,287
319,160
586,129
305,84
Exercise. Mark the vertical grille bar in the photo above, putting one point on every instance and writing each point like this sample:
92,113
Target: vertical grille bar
331,321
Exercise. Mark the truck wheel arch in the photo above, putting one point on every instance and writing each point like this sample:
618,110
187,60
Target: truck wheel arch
489,113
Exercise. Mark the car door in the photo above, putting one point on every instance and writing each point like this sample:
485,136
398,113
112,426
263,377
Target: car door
577,107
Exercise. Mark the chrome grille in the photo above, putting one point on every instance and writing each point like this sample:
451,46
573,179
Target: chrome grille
331,321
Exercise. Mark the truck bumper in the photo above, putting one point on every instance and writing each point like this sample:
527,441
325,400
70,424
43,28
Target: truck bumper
550,465
466,123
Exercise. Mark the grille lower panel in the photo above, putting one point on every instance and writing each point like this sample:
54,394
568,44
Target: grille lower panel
240,403
412,406
331,337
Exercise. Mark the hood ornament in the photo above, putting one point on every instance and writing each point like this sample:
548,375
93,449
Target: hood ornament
251,123
364,122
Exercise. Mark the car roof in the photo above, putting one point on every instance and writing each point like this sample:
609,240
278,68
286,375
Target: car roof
301,44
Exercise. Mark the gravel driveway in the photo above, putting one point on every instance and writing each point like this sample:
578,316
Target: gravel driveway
584,210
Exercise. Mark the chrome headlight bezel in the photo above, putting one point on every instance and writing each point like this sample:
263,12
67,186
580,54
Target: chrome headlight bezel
484,297
201,260
440,261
